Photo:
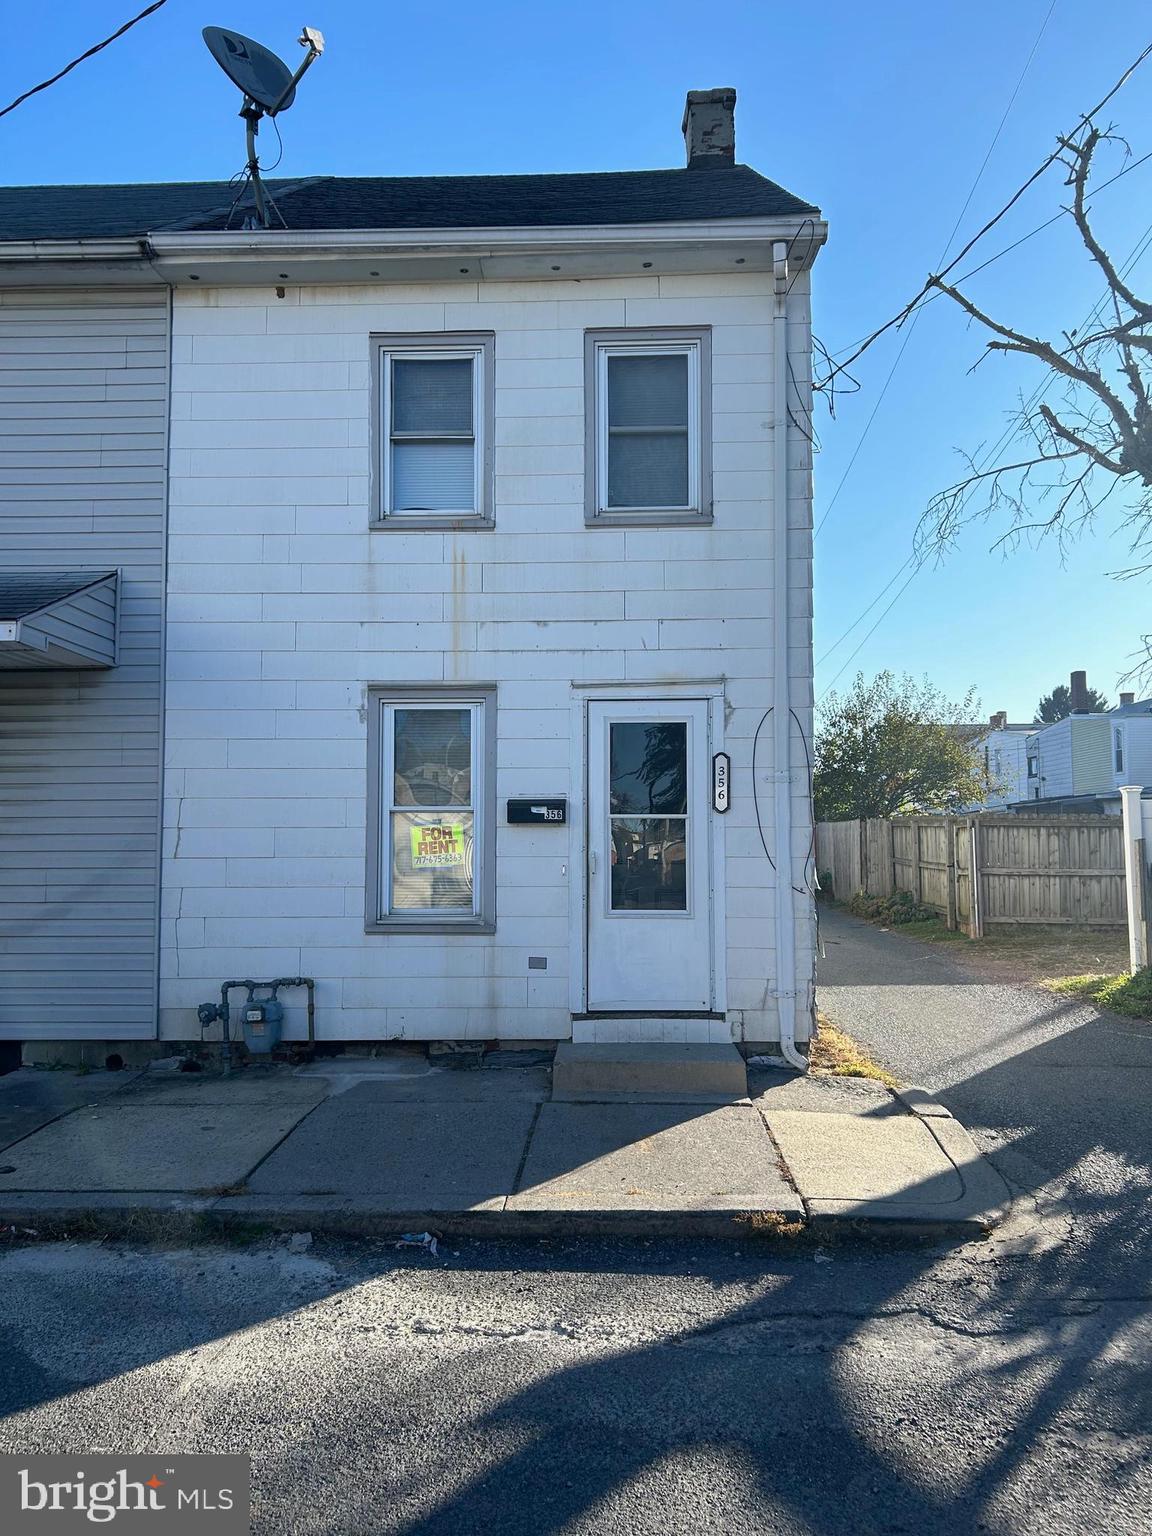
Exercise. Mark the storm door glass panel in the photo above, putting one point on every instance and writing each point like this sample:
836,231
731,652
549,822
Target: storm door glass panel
648,815
648,407
432,816
433,435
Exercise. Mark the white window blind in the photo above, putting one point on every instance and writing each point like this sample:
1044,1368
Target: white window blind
648,431
648,423
433,444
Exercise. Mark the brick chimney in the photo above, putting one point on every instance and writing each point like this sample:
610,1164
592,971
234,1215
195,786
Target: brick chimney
709,128
1078,693
1127,698
999,721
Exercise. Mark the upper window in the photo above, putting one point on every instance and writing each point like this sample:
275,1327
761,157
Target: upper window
648,454
1118,748
434,423
432,809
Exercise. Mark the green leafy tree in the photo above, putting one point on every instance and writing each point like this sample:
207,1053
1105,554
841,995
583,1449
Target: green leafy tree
896,746
1057,705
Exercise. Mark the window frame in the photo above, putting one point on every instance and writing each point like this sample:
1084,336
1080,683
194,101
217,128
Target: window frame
599,346
1118,745
383,698
480,346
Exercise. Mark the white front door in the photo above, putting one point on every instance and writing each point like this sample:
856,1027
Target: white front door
649,908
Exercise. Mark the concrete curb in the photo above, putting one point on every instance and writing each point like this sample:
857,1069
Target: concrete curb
921,1103
172,1217
166,1217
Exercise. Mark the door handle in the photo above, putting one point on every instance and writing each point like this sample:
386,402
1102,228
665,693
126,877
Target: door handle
592,861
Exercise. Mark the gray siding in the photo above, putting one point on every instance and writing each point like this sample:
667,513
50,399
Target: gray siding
83,412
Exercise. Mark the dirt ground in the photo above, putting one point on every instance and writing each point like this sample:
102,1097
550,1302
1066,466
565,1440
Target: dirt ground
1029,954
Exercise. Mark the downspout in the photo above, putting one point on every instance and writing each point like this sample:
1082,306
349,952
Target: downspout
784,991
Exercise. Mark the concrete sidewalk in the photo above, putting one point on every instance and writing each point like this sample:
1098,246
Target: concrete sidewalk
395,1144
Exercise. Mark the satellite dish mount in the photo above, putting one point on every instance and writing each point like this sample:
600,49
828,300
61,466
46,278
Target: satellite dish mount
269,88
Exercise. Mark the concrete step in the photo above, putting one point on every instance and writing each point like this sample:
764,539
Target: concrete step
694,1074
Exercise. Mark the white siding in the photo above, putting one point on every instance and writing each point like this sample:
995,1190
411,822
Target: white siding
1137,750
83,382
1054,746
284,608
1006,755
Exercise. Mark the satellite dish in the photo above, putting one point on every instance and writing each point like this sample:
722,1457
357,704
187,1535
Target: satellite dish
263,77
269,87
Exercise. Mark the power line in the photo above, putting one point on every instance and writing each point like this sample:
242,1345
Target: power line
1008,249
917,568
947,246
862,616
903,314
68,68
1005,438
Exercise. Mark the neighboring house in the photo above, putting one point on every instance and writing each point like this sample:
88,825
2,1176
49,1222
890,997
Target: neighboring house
1001,750
1131,724
1070,758
84,414
1077,765
488,527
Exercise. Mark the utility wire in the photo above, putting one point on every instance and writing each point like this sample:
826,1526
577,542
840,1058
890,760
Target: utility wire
1007,250
903,314
68,68
1006,437
947,247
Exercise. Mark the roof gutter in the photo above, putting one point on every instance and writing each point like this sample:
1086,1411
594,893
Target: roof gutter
71,263
314,242
174,257
237,257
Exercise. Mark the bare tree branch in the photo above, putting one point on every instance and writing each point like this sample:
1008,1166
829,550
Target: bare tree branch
1080,444
1016,341
1082,153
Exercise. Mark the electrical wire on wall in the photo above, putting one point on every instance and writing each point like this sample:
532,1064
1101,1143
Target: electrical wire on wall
810,857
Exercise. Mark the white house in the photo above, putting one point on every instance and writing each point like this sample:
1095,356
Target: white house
1131,724
1070,758
487,678
1002,754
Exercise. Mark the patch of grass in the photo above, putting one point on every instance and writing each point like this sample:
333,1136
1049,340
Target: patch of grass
933,929
773,1224
834,1052
895,911
1129,995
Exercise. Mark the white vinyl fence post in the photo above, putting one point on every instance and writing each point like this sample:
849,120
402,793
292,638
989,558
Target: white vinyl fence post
1134,874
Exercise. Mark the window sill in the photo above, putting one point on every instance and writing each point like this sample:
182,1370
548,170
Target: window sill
649,520
430,925
402,522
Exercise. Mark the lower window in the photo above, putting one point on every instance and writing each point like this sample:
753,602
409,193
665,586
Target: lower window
432,812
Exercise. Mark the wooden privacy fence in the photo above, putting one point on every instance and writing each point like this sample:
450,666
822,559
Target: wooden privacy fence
1019,869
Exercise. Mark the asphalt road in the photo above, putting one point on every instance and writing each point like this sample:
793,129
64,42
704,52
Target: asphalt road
651,1388
1057,1093
765,1387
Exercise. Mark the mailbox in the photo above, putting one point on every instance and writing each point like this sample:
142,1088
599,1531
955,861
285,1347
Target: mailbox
537,812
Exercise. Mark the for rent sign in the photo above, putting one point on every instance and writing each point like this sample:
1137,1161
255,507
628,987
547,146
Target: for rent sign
438,847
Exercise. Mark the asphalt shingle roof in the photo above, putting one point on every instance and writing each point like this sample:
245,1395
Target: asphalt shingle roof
25,592
410,202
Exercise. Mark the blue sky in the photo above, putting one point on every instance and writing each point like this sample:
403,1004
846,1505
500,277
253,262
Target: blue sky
880,114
